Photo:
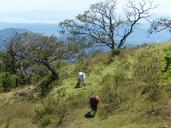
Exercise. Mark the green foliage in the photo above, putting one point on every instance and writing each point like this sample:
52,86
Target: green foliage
110,59
111,92
9,60
84,66
149,67
41,116
7,81
78,101
32,57
118,84
52,110
62,104
62,111
60,64
47,84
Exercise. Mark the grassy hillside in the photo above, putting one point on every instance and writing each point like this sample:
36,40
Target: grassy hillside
134,88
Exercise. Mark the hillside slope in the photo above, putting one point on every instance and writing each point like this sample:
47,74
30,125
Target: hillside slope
128,96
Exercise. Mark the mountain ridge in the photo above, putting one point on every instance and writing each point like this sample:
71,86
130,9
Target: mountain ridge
140,35
9,33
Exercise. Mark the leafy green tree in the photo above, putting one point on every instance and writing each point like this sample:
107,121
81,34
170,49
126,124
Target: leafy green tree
14,64
44,50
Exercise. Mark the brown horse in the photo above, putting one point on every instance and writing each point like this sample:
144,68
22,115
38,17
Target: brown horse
94,100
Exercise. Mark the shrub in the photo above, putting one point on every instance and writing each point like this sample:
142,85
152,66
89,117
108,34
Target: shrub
7,81
41,116
111,92
149,67
52,110
62,111
84,65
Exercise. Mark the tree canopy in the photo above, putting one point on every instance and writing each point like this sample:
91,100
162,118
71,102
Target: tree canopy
102,24
27,49
160,24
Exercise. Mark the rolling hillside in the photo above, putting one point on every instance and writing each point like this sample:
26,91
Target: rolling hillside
127,97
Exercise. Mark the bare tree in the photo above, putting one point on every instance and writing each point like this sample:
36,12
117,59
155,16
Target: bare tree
102,24
160,24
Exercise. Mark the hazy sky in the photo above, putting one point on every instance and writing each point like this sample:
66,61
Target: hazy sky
51,11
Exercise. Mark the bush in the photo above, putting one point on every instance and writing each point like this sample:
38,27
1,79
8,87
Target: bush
149,67
111,93
7,81
52,110
41,116
84,66
62,111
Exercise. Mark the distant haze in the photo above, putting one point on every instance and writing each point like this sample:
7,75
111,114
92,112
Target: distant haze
44,28
43,16
139,36
53,11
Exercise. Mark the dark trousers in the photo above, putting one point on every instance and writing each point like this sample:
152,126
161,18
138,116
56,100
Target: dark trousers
93,104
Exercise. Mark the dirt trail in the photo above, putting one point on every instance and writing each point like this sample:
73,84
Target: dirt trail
16,93
5,96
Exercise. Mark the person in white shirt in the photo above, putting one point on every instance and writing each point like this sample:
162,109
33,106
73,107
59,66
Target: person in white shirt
81,79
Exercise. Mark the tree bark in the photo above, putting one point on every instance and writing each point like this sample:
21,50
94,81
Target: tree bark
55,75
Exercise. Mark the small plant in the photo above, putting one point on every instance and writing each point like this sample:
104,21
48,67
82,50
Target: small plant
52,110
41,116
62,111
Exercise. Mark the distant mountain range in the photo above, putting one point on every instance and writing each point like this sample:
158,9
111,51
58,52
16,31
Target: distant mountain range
140,36
48,29
9,33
